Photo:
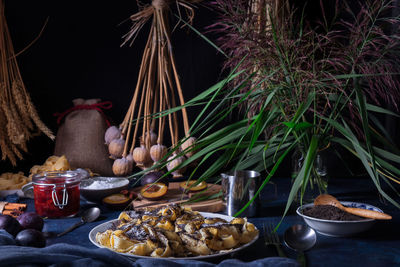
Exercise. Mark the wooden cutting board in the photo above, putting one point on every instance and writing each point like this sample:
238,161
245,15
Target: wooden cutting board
174,193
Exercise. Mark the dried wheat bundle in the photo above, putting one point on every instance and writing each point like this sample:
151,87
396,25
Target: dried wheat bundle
158,88
19,120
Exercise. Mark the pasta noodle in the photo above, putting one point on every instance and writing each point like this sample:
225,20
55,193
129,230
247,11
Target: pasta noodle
174,231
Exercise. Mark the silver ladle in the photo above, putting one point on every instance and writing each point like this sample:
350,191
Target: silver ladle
89,215
300,238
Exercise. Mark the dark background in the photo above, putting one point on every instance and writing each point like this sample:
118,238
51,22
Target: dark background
78,55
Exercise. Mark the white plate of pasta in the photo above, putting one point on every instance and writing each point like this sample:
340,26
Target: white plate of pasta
108,235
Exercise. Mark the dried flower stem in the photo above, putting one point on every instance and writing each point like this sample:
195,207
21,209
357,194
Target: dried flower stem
21,120
157,78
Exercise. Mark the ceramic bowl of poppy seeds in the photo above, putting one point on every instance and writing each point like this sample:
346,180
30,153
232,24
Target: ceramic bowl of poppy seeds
332,221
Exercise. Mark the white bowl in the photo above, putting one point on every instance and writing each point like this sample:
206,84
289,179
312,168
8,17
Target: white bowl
115,185
339,228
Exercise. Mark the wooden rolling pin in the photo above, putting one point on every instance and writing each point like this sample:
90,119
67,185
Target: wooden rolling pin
326,199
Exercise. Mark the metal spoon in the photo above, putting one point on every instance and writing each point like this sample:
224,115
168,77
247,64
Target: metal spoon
326,199
89,215
300,237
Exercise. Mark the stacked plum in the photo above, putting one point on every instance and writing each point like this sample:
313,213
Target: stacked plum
26,229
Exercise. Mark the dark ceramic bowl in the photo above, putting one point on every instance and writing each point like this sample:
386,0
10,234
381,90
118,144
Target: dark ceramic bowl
105,186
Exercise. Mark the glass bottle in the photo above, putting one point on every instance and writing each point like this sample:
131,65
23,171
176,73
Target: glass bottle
318,181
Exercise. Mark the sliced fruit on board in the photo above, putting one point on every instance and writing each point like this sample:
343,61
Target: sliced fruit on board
116,201
189,186
154,191
174,192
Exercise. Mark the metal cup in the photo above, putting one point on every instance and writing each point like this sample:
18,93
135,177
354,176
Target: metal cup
238,188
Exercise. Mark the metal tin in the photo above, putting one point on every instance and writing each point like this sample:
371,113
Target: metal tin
238,188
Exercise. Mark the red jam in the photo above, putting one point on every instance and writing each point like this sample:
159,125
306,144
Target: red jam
57,194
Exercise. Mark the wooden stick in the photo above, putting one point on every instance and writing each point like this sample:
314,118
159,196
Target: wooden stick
149,88
169,114
170,83
178,85
141,79
143,66
161,71
174,115
7,212
146,121
11,206
164,73
161,102
131,112
158,77
155,104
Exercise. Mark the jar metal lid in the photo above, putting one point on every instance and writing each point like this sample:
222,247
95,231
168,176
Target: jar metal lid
58,178
61,180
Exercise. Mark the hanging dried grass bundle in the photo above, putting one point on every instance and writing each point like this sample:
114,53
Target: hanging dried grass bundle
19,120
158,87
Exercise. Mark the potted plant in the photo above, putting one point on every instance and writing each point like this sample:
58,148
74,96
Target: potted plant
300,86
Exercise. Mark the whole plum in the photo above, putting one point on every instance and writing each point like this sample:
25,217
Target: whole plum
31,220
10,224
154,177
31,238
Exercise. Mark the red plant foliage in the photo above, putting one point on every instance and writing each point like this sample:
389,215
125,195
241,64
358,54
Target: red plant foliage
303,56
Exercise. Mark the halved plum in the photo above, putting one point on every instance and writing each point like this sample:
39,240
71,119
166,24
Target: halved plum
188,186
116,201
154,191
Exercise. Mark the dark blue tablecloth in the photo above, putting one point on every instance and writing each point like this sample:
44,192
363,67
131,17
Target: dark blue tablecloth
63,254
379,246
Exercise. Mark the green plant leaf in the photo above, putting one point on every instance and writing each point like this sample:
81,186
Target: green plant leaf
266,180
364,121
377,109
302,178
298,126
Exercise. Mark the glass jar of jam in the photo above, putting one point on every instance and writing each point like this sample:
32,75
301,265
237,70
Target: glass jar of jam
56,194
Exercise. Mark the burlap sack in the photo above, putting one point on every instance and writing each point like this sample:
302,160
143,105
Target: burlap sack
81,137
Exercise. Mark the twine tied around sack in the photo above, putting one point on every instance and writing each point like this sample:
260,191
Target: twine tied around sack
97,106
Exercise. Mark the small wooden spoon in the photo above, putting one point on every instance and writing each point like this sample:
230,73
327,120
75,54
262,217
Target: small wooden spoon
326,199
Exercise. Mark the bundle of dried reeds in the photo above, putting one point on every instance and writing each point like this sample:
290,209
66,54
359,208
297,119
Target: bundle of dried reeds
19,120
158,88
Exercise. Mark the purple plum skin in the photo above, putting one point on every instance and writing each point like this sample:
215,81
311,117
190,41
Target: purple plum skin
31,238
10,224
31,220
